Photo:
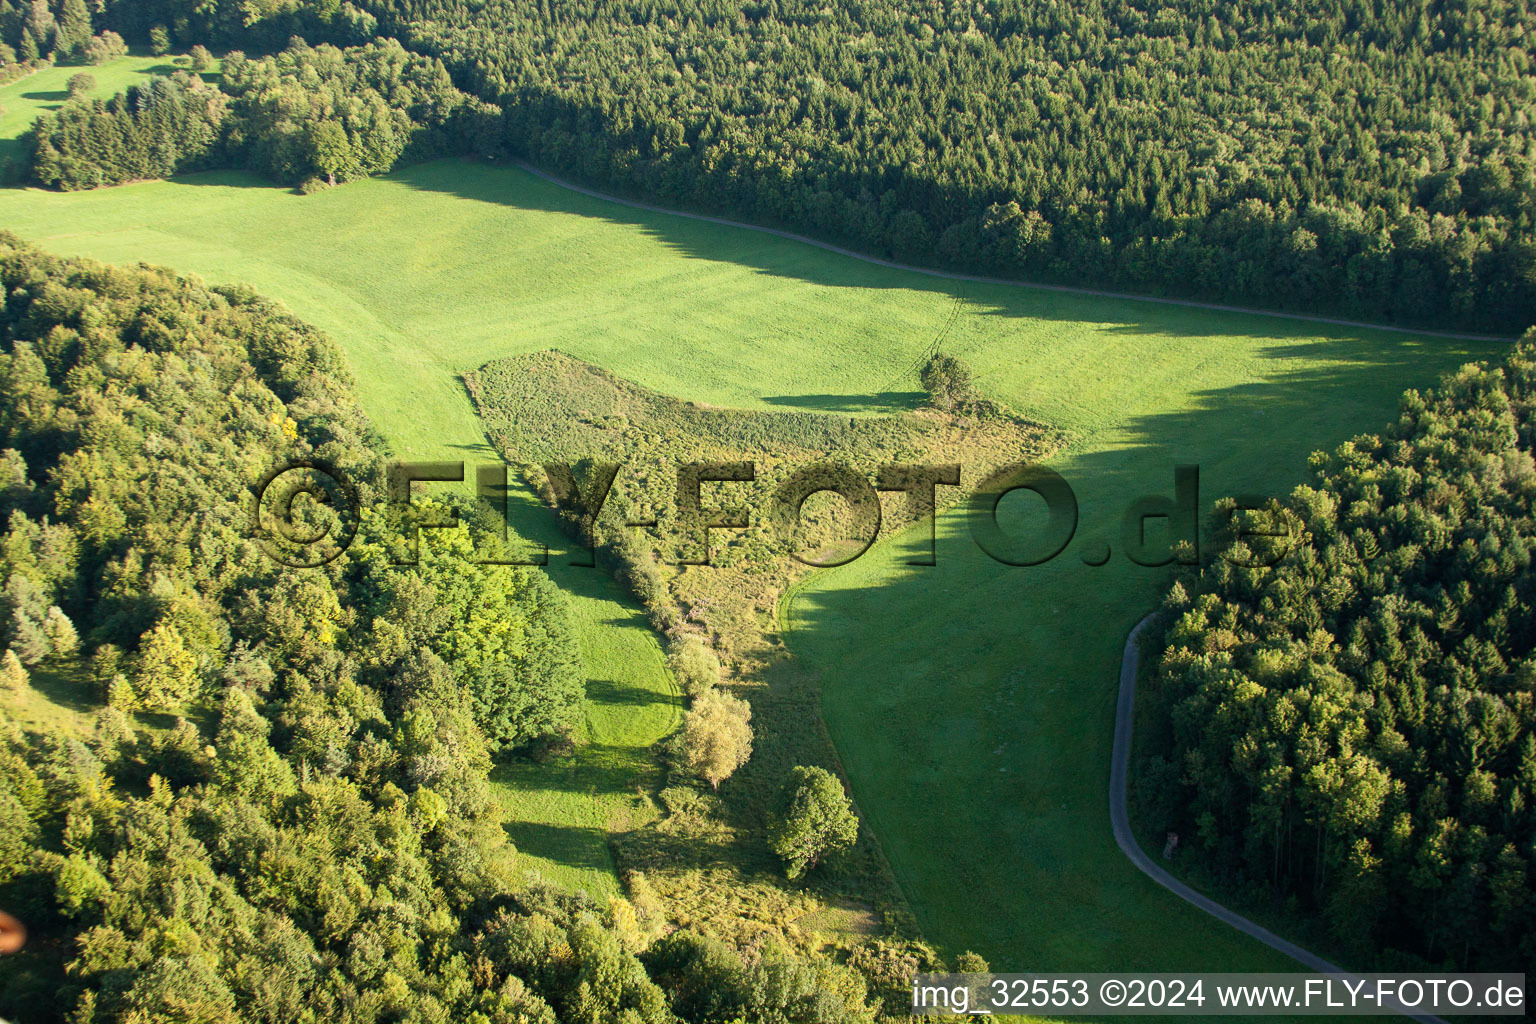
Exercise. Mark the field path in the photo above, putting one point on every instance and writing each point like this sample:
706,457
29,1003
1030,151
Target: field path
635,204
1126,839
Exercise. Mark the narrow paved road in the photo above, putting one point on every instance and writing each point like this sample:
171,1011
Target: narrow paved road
979,279
1119,770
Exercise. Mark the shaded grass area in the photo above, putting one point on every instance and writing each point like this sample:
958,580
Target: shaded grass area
971,703
563,814
1014,742
551,407
60,701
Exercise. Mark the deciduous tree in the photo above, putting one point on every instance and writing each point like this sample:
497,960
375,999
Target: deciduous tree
12,674
694,664
814,821
717,736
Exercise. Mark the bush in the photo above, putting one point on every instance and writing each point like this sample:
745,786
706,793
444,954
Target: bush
717,736
104,47
694,664
947,381
201,59
81,85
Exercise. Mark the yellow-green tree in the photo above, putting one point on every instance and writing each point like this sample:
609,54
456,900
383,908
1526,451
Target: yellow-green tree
694,664
717,736
12,674
167,673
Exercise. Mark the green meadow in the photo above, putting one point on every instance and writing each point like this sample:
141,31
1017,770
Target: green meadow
971,702
564,812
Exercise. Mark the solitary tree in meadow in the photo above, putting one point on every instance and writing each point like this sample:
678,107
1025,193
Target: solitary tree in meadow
815,821
105,47
947,381
80,84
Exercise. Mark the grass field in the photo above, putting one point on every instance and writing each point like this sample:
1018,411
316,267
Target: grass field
971,702
45,90
564,812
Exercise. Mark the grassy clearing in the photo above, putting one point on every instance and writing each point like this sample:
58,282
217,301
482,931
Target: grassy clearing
56,702
547,406
45,90
563,814
971,702
61,701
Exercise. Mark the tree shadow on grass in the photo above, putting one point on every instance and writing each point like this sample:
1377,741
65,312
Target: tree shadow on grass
988,690
573,846
612,693
883,401
594,769
770,254
64,686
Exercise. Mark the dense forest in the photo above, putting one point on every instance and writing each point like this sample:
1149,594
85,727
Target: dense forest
166,126
35,30
264,796
1352,159
306,114
1345,711
1369,160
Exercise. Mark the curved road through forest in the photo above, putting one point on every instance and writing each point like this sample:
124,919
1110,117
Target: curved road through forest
1119,816
979,279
